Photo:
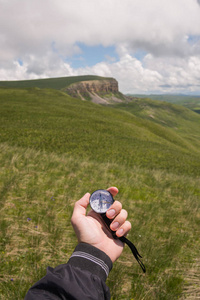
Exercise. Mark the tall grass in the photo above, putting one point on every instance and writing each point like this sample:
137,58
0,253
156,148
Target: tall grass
38,191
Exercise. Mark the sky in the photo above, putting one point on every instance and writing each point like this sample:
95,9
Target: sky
148,46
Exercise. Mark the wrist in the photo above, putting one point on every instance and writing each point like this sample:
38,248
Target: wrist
91,259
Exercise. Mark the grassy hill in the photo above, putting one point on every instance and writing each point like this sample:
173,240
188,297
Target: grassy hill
52,121
171,122
49,83
55,148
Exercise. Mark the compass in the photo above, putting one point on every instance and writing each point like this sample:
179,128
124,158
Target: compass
101,200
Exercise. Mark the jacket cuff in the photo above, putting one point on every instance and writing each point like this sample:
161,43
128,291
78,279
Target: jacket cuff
90,258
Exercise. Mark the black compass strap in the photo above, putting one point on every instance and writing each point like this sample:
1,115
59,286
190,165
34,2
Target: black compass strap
134,251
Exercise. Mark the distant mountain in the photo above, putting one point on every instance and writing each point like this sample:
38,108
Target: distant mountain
49,83
97,89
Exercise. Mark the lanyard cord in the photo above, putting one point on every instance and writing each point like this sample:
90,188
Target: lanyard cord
134,251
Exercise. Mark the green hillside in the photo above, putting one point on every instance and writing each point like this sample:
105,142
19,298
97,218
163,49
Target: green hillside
172,122
49,83
191,102
54,149
50,120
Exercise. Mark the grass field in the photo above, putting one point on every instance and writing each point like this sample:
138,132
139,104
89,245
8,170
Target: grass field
54,149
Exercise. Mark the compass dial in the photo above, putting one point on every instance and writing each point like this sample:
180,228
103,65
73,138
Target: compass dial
101,200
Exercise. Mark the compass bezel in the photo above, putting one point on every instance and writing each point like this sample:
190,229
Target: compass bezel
105,192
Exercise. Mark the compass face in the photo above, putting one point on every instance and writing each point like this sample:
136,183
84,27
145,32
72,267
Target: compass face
100,201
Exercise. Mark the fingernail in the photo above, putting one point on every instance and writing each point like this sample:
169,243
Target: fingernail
120,232
111,213
115,226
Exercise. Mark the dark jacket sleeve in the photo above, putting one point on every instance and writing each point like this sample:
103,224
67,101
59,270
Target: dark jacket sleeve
82,277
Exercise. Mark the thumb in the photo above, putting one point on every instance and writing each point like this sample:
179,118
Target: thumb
81,206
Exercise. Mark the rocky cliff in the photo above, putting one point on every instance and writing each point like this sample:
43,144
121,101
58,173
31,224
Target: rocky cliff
102,91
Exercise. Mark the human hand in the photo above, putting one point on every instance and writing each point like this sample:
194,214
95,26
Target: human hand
91,229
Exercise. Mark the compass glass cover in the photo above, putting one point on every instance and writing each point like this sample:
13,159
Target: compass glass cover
101,200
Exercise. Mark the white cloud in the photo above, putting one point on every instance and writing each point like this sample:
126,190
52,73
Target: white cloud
42,34
153,75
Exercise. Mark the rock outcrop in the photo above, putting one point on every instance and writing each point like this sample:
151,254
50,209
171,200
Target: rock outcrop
102,91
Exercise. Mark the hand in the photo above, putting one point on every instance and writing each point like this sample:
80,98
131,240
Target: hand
91,229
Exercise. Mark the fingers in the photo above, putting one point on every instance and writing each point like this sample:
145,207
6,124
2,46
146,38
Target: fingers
124,229
113,191
119,216
114,210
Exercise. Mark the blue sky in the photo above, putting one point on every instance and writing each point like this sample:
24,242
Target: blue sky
146,51
92,55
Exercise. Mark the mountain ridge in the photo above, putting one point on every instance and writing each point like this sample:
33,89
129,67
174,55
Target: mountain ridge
101,90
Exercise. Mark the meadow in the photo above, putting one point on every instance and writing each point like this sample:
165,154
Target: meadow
54,149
